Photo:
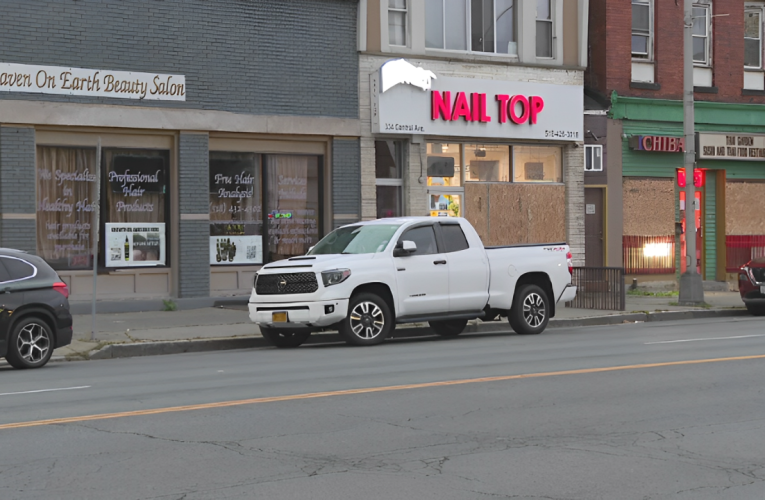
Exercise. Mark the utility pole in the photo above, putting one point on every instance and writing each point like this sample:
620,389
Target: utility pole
691,285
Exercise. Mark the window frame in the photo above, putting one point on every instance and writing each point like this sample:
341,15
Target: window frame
707,63
649,44
759,9
397,182
468,21
513,148
589,149
405,11
553,36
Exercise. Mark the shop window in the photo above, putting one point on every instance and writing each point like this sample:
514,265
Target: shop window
487,163
593,158
544,27
753,37
702,27
389,160
236,209
445,172
642,29
135,206
397,22
293,200
537,164
66,203
491,22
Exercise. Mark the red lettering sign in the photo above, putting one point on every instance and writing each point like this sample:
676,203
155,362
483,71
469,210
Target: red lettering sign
519,108
441,105
503,99
461,108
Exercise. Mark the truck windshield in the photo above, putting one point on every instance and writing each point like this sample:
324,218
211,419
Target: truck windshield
356,239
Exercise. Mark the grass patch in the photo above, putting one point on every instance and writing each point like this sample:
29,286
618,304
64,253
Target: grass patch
643,293
169,305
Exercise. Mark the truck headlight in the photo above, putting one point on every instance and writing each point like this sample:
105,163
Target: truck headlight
335,276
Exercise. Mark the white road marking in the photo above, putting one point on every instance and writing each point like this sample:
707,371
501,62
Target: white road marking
710,338
46,390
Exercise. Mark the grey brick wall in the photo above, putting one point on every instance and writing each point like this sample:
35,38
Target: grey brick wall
295,57
346,180
193,241
17,187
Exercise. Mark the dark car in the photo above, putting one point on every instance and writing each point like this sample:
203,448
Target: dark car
34,310
751,285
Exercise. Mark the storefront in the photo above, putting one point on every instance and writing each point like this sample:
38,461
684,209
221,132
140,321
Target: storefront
729,180
171,174
501,152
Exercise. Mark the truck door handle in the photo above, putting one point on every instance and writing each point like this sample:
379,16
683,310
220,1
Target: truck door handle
437,262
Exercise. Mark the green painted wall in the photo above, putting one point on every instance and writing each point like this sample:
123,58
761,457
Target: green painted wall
710,227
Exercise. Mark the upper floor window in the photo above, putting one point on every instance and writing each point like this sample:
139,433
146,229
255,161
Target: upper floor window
544,28
642,29
702,28
474,25
397,14
593,158
753,37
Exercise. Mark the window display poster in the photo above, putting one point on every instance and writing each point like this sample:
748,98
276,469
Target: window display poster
135,244
241,249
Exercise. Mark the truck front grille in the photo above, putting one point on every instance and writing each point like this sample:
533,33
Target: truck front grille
284,284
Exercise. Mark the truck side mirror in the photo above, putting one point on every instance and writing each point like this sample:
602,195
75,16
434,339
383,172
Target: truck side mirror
404,248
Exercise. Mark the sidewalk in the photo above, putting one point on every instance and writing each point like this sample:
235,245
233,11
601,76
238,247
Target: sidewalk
229,327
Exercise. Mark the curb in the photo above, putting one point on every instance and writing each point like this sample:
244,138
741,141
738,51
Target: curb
112,351
147,305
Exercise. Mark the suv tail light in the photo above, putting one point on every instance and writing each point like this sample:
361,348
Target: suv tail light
569,263
61,288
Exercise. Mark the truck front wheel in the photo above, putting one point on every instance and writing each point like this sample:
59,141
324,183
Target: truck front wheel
369,320
531,310
283,338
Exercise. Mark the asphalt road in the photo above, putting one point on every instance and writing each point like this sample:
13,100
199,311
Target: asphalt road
571,414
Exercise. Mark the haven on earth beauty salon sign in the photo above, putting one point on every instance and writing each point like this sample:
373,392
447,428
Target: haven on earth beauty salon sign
412,100
91,82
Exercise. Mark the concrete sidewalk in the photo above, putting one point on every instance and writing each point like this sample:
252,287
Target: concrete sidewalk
229,327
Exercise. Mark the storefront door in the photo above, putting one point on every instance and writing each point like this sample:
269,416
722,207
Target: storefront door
593,227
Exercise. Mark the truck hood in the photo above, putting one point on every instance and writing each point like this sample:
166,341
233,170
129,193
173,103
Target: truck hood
315,263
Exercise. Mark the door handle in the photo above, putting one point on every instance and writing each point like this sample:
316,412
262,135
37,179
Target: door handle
438,262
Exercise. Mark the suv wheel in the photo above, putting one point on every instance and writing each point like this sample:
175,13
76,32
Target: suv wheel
30,344
369,320
284,339
531,310
755,310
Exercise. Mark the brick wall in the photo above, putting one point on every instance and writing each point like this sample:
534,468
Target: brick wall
610,24
346,181
573,177
194,237
295,57
17,188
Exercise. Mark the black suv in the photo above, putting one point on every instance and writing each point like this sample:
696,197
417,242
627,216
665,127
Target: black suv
34,310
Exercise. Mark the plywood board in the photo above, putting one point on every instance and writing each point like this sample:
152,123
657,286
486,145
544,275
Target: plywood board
477,208
649,207
526,213
744,208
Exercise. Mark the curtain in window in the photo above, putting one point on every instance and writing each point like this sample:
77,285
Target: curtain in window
66,198
293,204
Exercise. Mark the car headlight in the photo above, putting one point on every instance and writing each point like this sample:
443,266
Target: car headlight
335,276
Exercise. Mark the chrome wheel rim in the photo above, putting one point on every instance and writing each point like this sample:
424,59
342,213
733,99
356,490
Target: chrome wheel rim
367,320
534,310
33,343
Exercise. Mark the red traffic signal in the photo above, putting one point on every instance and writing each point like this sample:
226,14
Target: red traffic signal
698,177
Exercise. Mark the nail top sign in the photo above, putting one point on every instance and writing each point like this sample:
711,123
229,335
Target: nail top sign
91,82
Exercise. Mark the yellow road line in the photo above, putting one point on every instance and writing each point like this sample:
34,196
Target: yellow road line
368,390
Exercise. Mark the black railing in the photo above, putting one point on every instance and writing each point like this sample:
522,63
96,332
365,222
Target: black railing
599,288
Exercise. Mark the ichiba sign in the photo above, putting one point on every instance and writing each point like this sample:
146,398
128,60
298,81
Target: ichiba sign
407,99
91,82
657,143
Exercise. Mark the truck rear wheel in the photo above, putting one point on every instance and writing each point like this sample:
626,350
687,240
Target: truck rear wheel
531,310
284,339
450,328
369,320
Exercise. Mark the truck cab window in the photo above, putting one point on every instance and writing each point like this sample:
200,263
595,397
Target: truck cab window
425,239
454,238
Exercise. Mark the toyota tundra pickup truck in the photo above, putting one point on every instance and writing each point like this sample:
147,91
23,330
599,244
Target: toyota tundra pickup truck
364,278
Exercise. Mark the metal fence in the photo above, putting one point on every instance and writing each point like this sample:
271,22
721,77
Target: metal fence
740,249
599,288
649,254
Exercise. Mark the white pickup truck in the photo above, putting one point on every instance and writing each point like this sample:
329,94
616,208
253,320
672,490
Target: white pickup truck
364,278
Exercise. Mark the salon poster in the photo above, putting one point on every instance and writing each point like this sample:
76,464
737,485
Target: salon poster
236,249
135,244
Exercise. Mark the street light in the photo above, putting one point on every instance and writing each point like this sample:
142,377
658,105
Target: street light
691,285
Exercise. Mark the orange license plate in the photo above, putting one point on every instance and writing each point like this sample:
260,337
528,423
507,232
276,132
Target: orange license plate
279,317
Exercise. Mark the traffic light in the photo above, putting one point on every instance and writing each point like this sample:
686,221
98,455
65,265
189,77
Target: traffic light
698,177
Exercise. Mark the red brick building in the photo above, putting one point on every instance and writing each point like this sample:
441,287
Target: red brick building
632,156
